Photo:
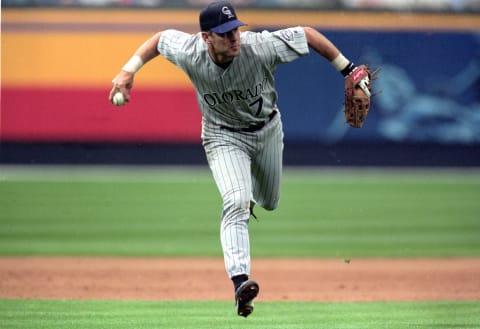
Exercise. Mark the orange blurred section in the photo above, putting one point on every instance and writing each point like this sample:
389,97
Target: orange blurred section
70,48
79,59
88,47
188,19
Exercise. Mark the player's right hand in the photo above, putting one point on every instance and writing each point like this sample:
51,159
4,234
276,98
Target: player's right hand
362,79
364,85
122,82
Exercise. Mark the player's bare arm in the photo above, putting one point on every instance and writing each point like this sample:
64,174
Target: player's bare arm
123,81
355,77
321,44
327,49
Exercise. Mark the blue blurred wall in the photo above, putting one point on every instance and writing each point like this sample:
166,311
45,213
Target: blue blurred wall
428,90
426,113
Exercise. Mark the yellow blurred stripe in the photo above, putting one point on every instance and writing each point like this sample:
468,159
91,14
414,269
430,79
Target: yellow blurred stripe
255,18
86,59
88,47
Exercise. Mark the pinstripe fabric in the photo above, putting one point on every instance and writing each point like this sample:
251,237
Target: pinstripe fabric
246,166
225,97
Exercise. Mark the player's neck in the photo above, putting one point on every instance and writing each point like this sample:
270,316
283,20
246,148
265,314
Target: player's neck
223,65
220,59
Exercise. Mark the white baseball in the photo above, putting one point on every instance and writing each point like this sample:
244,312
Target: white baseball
118,99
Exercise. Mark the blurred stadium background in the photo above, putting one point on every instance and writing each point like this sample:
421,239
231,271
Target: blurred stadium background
404,5
59,56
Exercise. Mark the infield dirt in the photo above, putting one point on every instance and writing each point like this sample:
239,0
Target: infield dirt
327,280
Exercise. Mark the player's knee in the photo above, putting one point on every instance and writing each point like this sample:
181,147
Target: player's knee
270,206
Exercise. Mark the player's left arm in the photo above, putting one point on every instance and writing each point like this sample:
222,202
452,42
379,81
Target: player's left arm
323,46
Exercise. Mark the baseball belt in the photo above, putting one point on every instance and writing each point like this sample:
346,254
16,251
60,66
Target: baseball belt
252,127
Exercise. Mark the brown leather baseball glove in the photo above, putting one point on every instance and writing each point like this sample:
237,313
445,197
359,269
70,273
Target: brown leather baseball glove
358,86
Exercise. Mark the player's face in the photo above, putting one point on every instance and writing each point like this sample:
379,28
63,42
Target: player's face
223,47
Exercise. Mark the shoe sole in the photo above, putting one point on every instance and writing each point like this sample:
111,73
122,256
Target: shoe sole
245,296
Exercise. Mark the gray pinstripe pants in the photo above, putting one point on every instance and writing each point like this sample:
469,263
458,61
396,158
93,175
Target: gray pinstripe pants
246,166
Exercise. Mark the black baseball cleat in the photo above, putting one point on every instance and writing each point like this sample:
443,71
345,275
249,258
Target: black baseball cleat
244,297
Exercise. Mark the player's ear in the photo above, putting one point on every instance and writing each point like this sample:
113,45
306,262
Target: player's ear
205,37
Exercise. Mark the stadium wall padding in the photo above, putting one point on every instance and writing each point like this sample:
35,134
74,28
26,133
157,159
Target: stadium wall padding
57,67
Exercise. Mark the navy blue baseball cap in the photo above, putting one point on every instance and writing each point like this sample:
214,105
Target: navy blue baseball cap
219,17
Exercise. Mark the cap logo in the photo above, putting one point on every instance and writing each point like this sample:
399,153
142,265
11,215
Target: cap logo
219,17
227,12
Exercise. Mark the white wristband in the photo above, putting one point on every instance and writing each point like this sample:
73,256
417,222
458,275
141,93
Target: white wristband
133,65
340,62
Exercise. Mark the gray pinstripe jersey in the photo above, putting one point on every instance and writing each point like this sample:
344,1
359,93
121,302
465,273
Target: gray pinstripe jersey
244,93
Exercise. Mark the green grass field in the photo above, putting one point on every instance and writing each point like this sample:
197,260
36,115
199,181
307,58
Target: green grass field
175,212
22,314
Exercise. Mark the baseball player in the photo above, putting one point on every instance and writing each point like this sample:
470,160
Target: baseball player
233,74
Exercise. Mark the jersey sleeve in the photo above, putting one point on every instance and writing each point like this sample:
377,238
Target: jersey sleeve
171,44
289,44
